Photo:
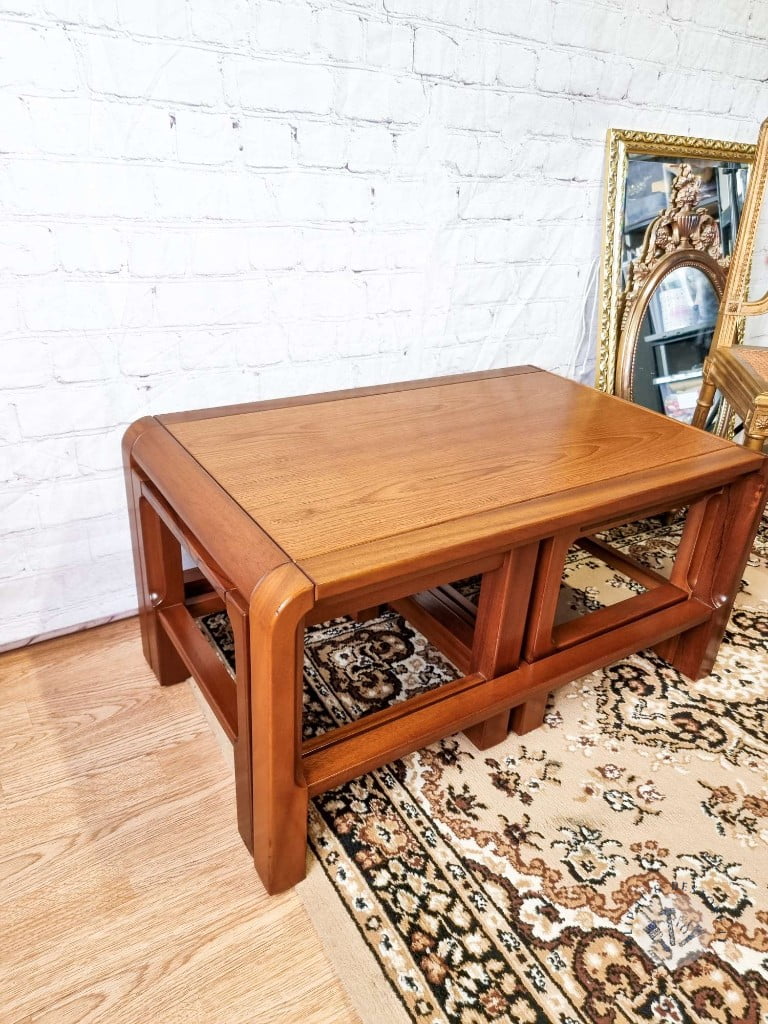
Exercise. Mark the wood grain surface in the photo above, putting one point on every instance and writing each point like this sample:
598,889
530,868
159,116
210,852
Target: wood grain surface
352,472
583,508
369,497
127,894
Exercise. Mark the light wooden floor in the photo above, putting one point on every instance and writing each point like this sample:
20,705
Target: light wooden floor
126,895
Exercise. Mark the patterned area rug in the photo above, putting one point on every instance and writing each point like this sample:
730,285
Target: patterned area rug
609,866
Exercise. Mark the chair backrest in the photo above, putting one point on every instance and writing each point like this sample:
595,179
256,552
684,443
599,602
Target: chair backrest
734,304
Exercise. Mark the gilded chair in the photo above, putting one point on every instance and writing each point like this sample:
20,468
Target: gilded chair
740,372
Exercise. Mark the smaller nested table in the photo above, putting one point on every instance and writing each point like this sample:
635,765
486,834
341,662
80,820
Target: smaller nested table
303,509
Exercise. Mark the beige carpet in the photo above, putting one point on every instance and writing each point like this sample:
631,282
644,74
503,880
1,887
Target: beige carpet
610,866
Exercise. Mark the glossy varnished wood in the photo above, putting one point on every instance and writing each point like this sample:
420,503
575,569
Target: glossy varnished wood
500,630
321,397
354,472
720,541
127,896
157,565
198,511
280,796
355,748
304,509
237,612
584,509
202,663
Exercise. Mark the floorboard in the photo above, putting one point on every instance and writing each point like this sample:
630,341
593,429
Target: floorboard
128,896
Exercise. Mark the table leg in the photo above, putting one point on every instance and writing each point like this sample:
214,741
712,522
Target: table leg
541,618
546,594
159,581
501,616
528,716
237,612
280,801
716,542
366,614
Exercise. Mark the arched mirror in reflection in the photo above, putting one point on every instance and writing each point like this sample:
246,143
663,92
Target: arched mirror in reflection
669,307
668,334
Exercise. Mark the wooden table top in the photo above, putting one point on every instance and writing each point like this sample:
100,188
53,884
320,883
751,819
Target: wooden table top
341,484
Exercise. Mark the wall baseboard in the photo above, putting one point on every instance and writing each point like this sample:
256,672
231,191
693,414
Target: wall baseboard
14,645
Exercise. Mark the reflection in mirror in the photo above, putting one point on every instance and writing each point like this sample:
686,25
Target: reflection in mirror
720,187
674,337
669,308
664,195
670,303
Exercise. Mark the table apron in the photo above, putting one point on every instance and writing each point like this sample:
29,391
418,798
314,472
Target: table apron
213,572
353,749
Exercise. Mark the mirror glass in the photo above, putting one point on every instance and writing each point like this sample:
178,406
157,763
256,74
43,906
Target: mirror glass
674,211
674,337
663,194
648,191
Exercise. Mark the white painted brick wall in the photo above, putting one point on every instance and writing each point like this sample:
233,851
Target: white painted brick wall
206,203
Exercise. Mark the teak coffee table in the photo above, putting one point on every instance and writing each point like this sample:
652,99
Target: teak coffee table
303,509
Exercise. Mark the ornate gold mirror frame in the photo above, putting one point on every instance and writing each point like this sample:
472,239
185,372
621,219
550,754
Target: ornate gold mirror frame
621,146
683,235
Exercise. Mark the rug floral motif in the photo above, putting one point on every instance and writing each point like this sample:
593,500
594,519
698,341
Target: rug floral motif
611,866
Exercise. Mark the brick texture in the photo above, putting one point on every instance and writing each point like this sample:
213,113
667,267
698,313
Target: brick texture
206,203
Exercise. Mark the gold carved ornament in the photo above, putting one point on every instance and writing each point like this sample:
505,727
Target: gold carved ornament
683,235
683,225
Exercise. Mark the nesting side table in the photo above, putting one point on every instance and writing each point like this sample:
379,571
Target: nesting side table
302,509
